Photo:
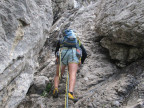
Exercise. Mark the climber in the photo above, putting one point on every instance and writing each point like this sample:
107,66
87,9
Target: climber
72,55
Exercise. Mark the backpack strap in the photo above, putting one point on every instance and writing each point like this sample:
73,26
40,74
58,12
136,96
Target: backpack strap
79,41
61,42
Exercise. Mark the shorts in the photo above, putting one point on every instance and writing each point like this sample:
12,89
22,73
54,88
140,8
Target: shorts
68,56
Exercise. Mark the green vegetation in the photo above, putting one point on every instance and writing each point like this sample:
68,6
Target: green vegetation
47,89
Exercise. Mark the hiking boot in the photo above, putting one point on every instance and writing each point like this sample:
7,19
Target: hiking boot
55,93
71,97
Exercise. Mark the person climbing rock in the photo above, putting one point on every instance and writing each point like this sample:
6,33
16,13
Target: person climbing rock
69,52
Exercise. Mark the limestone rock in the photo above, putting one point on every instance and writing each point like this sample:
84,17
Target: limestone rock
24,26
39,85
99,82
28,41
121,23
61,6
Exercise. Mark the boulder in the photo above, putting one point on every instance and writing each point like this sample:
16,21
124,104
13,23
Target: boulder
39,85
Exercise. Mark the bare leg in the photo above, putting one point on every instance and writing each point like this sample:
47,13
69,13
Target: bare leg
72,73
56,78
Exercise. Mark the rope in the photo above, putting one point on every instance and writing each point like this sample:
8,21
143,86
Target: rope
67,87
67,81
59,64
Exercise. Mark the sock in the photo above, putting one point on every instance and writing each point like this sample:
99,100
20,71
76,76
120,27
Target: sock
71,93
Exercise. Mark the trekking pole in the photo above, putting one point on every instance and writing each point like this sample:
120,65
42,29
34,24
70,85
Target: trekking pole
59,64
67,87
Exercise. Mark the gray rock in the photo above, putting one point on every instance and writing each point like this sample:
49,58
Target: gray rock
61,6
120,22
40,81
39,85
27,42
116,103
24,27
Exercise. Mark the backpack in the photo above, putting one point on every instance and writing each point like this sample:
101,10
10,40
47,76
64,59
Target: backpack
71,41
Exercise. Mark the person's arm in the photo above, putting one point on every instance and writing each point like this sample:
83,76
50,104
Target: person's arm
84,54
57,47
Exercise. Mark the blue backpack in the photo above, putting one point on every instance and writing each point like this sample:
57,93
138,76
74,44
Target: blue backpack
69,39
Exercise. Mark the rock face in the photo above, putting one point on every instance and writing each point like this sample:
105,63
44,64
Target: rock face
24,26
60,6
100,84
122,25
28,41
